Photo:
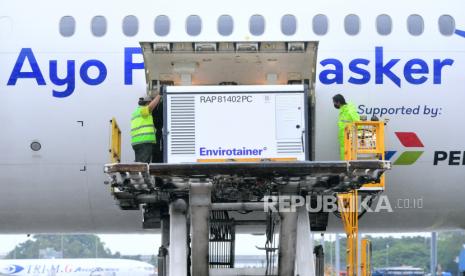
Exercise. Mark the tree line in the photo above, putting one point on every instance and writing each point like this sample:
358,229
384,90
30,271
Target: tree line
67,246
409,251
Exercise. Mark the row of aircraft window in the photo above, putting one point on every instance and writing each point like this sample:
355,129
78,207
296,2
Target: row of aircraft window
225,25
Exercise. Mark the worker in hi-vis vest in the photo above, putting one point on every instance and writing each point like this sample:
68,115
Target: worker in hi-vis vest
347,114
142,129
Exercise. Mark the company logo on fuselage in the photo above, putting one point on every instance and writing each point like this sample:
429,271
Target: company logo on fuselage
45,268
460,33
408,140
11,269
379,70
411,141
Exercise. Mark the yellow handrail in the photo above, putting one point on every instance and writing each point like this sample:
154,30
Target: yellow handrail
362,141
115,142
365,264
348,207
365,140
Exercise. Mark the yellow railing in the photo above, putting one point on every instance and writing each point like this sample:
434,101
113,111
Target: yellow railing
115,142
364,140
348,207
365,264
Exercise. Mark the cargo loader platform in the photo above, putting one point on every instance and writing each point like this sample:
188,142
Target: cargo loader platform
312,176
137,183
193,201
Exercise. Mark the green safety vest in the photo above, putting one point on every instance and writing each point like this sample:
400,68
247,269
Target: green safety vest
142,129
347,114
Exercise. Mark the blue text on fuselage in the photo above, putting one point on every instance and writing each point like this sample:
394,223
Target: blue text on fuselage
416,71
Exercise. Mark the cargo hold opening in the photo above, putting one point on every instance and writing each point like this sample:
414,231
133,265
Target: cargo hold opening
240,64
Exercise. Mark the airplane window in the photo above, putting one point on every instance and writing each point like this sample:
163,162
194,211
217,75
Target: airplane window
162,25
225,25
257,24
193,25
352,24
288,24
384,24
67,26
99,25
320,24
415,24
446,25
130,25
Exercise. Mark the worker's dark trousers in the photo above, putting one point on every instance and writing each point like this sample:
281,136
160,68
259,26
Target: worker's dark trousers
143,152
157,151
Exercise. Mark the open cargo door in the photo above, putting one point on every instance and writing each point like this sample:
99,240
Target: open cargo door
217,76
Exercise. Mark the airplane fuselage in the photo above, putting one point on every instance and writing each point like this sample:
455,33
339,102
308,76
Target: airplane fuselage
60,92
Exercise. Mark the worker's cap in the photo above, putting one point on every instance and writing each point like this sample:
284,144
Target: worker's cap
145,100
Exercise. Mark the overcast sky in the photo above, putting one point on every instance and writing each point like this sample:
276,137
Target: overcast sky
147,244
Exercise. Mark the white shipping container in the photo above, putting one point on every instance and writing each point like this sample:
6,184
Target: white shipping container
242,123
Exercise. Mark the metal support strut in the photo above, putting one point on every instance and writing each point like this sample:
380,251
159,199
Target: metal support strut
305,265
165,243
200,204
178,238
287,243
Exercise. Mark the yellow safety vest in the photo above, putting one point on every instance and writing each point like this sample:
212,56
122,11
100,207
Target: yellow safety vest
142,129
347,114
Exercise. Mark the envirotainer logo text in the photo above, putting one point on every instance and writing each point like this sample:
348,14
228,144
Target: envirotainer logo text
231,151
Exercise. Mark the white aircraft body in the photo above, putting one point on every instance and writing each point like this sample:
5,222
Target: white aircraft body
60,86
76,267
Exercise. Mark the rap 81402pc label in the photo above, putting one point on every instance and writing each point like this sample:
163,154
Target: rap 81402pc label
226,99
